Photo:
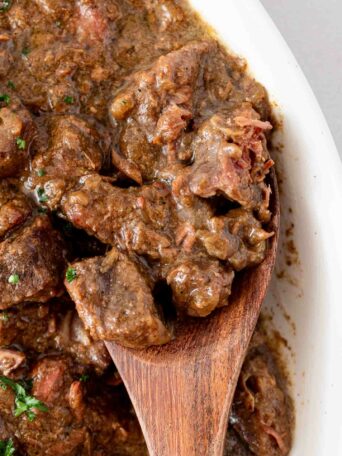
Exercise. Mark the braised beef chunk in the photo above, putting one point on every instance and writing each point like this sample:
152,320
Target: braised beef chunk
237,237
6,58
74,150
72,337
16,134
70,417
15,208
28,326
92,21
157,106
136,219
200,286
31,264
55,326
231,157
262,412
114,301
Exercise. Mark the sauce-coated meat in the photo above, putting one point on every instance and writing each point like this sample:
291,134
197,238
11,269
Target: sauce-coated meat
133,190
31,264
15,208
16,135
115,302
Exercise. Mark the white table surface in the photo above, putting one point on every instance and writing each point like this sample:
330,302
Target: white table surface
313,30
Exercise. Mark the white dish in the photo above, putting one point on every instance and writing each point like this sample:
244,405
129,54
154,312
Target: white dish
312,188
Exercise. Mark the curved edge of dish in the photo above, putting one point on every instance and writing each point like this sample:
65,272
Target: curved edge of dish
311,198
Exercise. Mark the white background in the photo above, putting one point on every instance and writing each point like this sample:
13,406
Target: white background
313,30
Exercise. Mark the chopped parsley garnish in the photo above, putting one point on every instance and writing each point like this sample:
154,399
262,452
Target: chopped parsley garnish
70,274
58,24
84,378
5,5
24,403
14,279
68,100
6,447
5,98
21,143
11,85
42,197
26,51
123,101
41,172
42,210
4,316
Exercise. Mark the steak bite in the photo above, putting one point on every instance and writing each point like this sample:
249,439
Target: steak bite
115,302
74,149
17,132
31,264
15,208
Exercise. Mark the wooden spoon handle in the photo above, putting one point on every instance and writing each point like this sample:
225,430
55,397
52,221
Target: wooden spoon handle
182,392
183,410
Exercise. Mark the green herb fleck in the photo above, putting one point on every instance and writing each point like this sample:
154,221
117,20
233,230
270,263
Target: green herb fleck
4,316
6,447
70,274
21,143
5,98
26,51
123,101
14,279
42,210
68,100
11,85
24,403
58,24
41,172
84,378
42,197
5,5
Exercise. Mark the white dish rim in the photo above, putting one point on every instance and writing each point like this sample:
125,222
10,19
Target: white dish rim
313,172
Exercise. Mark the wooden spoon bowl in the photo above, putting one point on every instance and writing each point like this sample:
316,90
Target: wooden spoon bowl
182,391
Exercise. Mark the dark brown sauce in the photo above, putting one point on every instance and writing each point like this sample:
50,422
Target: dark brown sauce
133,164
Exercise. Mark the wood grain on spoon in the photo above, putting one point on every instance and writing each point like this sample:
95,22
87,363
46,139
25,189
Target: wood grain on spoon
182,391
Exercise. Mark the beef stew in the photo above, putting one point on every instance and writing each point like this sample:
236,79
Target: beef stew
133,188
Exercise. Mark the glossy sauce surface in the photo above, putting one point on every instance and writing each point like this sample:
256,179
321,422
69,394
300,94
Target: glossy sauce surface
133,158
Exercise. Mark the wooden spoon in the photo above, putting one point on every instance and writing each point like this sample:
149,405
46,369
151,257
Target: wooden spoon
182,391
